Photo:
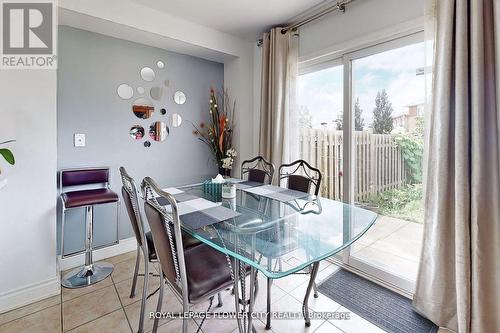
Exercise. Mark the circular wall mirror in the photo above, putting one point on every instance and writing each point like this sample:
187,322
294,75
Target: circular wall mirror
158,131
179,97
166,83
125,91
176,120
147,74
163,111
160,64
156,93
147,144
137,132
140,90
143,108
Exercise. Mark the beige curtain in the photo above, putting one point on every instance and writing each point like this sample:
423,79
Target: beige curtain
278,139
458,284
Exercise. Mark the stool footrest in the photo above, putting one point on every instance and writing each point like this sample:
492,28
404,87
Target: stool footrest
84,276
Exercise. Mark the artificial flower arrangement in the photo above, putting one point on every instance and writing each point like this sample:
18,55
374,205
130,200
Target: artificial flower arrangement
218,132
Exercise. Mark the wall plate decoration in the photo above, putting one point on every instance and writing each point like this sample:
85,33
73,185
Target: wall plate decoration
179,97
158,131
125,91
143,108
147,74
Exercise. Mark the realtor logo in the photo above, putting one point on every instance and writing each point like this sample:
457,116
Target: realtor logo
28,34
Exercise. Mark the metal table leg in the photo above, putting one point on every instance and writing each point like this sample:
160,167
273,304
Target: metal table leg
305,305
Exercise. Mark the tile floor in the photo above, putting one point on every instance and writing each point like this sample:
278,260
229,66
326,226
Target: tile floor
106,307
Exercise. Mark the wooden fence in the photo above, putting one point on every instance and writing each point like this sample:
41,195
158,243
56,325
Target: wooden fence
379,164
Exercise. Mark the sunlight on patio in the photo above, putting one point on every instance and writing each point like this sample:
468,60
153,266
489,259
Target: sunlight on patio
393,245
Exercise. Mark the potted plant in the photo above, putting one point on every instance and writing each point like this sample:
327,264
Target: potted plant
7,154
217,134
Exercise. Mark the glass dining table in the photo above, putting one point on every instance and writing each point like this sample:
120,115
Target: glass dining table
277,236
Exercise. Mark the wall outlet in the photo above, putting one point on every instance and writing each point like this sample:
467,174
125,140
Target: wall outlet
79,140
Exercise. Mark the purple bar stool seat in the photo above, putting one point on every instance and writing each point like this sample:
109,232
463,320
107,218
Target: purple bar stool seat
90,272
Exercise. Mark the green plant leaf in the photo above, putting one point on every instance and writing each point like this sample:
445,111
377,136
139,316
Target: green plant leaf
8,156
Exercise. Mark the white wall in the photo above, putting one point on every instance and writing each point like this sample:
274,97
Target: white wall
361,18
28,202
28,270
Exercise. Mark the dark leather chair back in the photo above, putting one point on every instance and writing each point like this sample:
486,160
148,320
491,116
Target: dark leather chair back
258,169
167,234
161,241
300,176
131,199
89,176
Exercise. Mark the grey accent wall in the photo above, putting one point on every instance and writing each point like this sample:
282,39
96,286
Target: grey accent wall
91,66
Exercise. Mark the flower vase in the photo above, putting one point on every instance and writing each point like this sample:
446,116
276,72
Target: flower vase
225,172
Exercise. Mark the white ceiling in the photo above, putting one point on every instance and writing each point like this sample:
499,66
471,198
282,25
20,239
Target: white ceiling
246,19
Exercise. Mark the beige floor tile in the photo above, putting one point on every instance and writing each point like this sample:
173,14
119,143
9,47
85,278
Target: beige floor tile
170,304
122,257
326,273
29,309
320,304
291,305
355,324
125,270
124,288
68,294
291,282
175,326
327,327
115,322
45,321
88,307
276,294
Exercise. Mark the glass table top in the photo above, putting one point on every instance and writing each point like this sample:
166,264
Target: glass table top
280,238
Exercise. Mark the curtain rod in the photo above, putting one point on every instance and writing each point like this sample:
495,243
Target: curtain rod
340,5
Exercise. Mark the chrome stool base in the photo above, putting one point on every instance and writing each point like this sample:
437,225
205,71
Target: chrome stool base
84,276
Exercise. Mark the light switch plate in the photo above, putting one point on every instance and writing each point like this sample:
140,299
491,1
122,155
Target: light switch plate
79,140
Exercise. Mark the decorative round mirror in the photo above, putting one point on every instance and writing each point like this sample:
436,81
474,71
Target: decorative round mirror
158,131
179,97
160,64
147,144
140,90
156,93
176,120
166,83
143,108
125,91
137,132
163,112
147,74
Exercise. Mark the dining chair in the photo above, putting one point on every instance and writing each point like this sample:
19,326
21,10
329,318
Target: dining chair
299,176
145,244
257,170
193,274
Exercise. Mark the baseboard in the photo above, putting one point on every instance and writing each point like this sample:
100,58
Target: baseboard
123,246
28,294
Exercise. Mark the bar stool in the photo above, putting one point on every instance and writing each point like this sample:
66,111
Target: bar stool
89,187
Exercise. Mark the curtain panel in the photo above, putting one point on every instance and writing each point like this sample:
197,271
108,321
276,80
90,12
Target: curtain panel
278,139
458,284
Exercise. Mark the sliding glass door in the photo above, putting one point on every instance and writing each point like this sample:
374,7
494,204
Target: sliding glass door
362,119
